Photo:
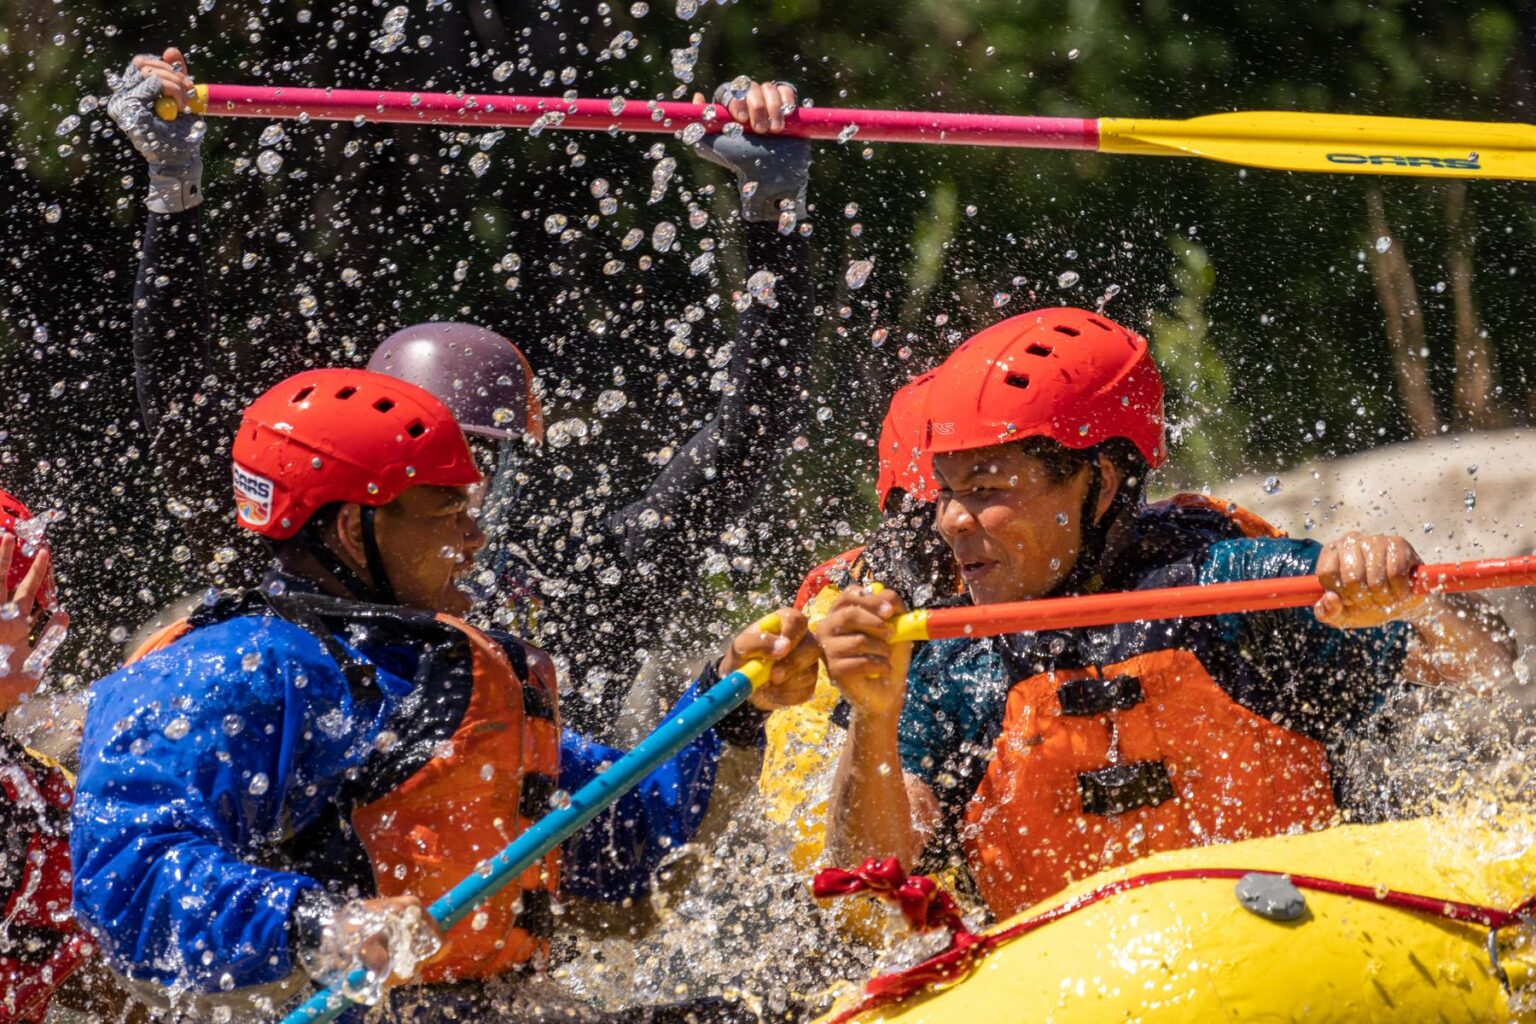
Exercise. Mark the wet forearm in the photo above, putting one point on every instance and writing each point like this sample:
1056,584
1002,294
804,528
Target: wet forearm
871,811
1461,641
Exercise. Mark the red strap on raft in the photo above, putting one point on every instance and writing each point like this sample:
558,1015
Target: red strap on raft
928,903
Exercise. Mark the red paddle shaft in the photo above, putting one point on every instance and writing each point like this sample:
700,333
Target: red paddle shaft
1188,602
636,116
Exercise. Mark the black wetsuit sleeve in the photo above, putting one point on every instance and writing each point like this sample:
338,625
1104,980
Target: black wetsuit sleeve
712,480
182,407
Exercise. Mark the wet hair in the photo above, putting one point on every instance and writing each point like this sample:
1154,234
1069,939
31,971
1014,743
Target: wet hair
1062,464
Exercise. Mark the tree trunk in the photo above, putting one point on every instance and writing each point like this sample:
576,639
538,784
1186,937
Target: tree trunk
1399,298
1476,406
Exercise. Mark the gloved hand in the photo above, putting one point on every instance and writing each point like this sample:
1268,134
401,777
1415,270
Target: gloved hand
768,170
172,148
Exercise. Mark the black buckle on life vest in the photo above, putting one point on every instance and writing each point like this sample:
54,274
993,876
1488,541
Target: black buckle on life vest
537,914
1124,787
537,796
1093,696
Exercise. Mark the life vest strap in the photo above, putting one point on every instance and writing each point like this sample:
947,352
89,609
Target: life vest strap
1093,695
1124,787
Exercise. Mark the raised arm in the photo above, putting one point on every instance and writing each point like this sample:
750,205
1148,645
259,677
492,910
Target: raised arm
712,480
172,359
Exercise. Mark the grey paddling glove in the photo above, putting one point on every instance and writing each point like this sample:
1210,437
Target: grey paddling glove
172,148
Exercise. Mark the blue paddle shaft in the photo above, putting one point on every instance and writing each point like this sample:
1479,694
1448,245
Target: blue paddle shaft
554,828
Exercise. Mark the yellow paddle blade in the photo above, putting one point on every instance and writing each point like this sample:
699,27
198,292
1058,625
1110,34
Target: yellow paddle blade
1337,143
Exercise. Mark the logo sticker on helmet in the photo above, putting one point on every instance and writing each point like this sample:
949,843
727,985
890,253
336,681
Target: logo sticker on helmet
253,496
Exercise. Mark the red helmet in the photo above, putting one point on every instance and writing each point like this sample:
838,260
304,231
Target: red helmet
1073,376
13,512
481,376
904,462
341,435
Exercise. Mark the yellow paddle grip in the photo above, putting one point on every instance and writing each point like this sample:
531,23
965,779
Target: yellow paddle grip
757,670
908,627
198,104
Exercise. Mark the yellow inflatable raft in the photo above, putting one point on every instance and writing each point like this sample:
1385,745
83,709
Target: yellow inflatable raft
1188,950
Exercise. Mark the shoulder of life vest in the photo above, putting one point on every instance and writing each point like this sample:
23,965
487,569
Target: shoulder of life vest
839,571
1100,766
1250,523
497,774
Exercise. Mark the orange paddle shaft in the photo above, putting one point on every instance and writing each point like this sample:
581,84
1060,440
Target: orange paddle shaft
1188,602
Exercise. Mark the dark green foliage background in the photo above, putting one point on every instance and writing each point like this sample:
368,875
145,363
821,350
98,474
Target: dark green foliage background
1253,285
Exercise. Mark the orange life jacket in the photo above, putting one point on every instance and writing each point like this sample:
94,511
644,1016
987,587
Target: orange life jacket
485,785
1100,766
837,571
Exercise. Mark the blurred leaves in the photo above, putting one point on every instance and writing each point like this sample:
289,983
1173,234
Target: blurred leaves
1264,308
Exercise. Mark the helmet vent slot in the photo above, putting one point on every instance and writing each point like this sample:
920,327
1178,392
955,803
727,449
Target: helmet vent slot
346,392
1070,332
384,404
304,393
1037,349
1100,323
1017,380
416,429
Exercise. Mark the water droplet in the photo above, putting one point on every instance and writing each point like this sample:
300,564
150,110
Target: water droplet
53,213
479,164
309,305
555,223
1067,278
68,125
269,161
632,238
1072,53
259,784
1000,299
251,661
639,10
1062,519
271,135
1469,500
701,263
848,132
693,133
878,335
503,71
611,401
662,236
567,75
1271,485
761,287
177,728
616,106
686,9
232,725
1383,243
858,273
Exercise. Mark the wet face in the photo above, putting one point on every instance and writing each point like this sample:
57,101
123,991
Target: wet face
1013,528
428,540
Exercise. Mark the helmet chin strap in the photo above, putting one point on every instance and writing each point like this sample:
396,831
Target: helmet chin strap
380,592
383,591
1094,537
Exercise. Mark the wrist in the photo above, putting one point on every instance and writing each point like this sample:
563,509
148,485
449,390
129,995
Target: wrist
874,720
176,187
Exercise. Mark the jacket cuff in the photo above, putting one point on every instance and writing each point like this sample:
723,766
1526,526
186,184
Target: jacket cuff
744,726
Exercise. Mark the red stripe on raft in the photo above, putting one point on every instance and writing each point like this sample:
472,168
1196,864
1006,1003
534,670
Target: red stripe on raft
645,116
950,965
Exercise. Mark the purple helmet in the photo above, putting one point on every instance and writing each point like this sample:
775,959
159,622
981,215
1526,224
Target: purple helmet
481,377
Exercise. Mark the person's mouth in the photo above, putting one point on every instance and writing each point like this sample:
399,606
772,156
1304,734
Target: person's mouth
971,571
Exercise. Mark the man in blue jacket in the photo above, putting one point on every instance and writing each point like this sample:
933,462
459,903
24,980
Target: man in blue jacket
273,786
